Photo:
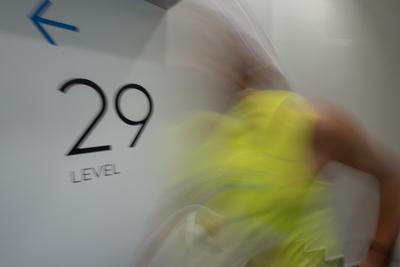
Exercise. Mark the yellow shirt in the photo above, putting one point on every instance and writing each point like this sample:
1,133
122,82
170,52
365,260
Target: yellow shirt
251,180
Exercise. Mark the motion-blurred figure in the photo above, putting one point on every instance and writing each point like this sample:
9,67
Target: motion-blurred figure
245,191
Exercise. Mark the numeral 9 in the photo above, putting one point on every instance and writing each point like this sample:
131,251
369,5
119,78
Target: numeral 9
142,122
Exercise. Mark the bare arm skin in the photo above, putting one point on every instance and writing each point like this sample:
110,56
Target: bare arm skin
339,138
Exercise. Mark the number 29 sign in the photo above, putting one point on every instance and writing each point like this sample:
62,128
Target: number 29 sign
77,147
90,173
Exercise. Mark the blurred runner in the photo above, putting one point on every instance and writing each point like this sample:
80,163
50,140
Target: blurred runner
245,192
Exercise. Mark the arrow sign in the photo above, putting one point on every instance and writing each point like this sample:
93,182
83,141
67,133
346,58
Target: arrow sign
39,21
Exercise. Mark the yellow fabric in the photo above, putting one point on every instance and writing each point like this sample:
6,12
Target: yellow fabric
254,167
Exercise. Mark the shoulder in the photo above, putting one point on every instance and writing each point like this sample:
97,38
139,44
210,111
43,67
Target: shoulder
338,136
333,119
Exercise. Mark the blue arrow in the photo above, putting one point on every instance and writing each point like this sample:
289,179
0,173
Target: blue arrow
38,21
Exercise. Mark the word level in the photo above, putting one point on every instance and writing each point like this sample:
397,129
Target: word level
87,174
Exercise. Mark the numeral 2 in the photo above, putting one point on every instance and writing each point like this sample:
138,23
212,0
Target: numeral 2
76,149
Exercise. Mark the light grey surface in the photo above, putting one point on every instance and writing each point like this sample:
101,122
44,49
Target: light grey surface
46,220
164,3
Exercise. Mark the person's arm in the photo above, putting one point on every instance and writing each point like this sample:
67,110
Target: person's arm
339,138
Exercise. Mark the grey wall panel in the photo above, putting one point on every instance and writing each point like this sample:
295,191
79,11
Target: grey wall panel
164,3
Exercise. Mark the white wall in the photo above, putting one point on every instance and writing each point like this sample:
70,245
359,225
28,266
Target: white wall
346,52
46,220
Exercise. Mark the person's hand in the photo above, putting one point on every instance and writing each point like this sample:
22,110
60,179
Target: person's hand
375,259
